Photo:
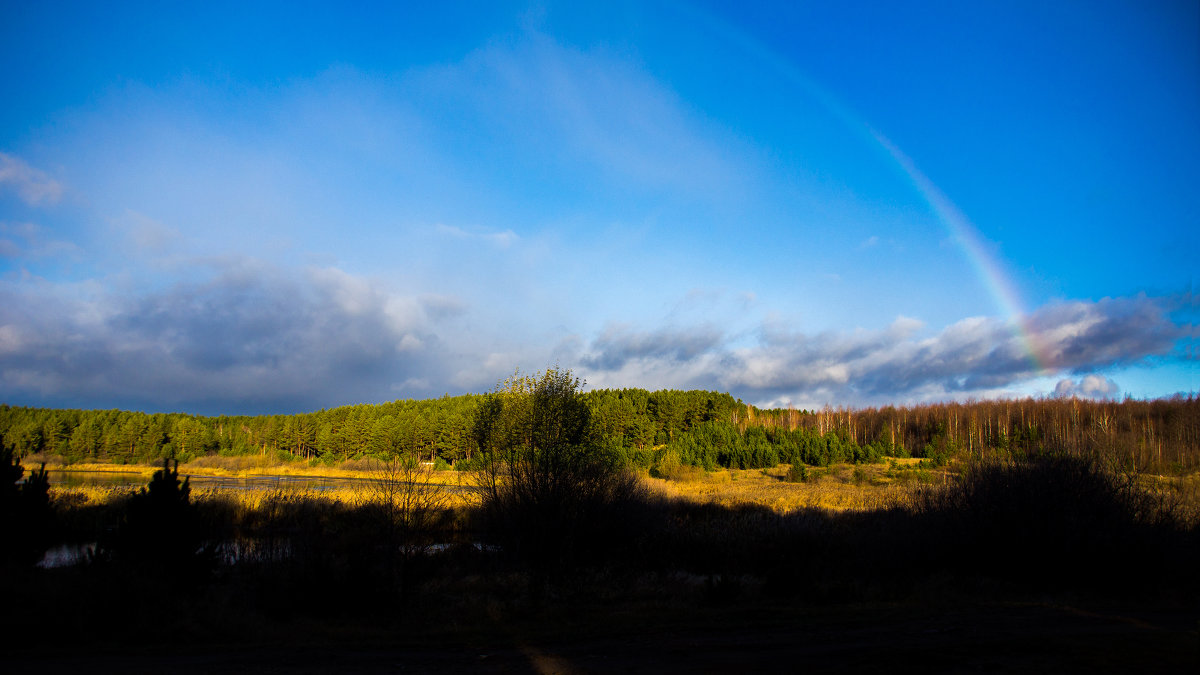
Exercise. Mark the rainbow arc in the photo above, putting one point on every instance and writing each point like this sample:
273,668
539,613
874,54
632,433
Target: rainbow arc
987,267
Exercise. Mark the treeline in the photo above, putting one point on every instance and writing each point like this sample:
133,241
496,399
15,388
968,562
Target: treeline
437,430
700,428
430,428
1160,435
743,446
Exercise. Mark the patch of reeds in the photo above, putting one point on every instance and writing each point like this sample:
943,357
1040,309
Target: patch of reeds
145,470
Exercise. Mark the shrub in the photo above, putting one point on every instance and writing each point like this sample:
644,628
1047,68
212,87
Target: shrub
859,476
667,464
25,514
160,530
798,473
1055,521
549,496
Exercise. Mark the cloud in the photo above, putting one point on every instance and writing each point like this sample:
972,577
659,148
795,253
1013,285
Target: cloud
148,235
1090,386
500,239
618,345
439,306
978,356
1078,336
972,355
250,337
239,335
533,183
29,241
33,186
563,108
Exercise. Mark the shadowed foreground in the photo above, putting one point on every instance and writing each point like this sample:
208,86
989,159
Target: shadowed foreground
1047,566
971,638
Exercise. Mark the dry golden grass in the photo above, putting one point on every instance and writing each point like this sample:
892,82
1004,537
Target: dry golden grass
255,466
865,487
356,495
839,488
98,467
842,487
1179,495
85,495
352,495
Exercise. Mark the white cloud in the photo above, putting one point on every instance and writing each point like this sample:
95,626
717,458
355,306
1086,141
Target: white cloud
905,326
557,106
502,239
10,340
33,186
1090,386
146,233
442,306
410,385
29,241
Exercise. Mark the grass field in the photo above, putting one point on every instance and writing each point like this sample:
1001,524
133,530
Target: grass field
841,487
836,488
237,467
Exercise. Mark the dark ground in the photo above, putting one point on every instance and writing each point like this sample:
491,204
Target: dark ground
994,637
1047,567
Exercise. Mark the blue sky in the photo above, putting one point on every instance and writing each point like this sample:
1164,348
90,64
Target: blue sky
222,209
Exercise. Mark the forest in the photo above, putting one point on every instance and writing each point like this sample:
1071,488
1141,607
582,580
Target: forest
698,428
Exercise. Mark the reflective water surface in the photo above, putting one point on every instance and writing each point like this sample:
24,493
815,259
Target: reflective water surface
117,478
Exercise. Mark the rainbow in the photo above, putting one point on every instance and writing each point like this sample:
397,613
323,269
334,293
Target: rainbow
989,269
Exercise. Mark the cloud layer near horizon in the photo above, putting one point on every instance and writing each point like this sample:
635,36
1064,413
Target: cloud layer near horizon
974,357
246,336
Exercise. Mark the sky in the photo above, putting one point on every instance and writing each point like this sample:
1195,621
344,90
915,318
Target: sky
247,208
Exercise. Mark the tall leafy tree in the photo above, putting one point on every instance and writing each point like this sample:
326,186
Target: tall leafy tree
547,491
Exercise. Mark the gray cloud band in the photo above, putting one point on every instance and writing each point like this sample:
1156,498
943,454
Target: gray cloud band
259,341
253,338
975,354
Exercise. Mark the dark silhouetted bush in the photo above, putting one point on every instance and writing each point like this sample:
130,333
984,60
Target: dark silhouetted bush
1055,522
25,514
160,528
